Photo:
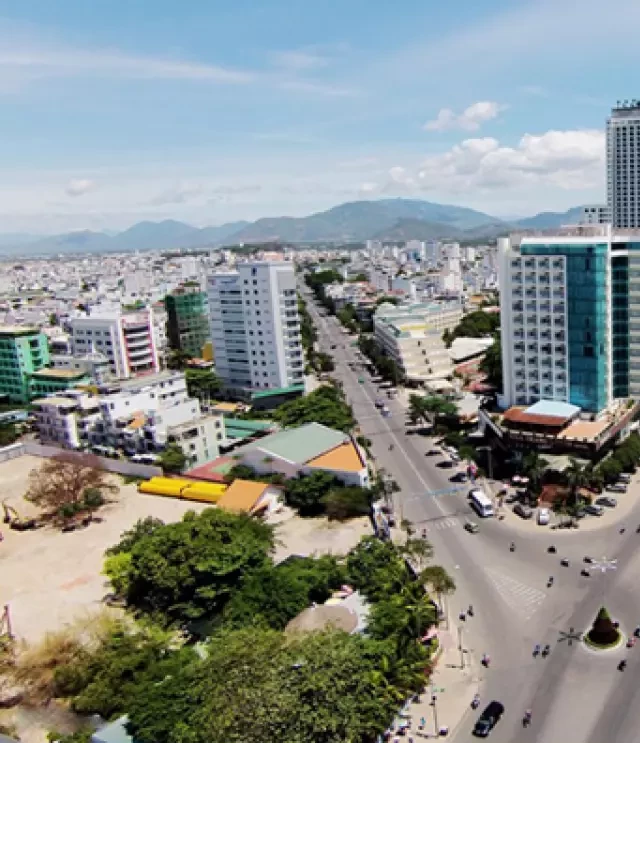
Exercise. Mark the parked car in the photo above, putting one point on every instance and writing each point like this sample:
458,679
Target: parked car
511,499
592,509
618,488
523,511
460,477
607,501
446,463
488,719
544,516
624,478
471,527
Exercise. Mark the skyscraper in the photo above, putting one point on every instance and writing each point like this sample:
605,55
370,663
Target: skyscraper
187,319
255,327
623,164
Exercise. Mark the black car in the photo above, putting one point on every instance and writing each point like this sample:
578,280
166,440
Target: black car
460,477
523,511
488,719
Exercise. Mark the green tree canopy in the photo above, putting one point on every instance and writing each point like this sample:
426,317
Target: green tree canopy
186,572
308,493
259,686
477,324
347,502
173,460
325,406
204,384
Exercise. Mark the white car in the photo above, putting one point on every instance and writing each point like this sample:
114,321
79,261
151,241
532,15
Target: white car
544,516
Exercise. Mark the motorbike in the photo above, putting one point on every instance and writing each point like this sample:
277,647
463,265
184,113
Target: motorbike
564,562
526,720
631,642
486,661
550,581
536,651
636,633
512,547
475,701
546,650
622,665
585,573
551,549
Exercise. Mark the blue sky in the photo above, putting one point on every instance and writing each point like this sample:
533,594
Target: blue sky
211,112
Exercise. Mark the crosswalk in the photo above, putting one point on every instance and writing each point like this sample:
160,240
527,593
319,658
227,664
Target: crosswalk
441,524
523,599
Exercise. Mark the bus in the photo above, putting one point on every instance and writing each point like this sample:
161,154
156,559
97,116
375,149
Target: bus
481,503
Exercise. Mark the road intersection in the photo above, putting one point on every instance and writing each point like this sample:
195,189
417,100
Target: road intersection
576,695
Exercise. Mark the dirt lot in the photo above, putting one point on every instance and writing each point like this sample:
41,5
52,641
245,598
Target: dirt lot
49,578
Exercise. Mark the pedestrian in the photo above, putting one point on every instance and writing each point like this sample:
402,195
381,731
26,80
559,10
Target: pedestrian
410,740
463,616
470,610
423,723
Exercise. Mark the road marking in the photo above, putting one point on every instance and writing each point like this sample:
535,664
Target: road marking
520,597
441,525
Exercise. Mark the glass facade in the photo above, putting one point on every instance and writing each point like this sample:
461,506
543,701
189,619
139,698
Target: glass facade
586,312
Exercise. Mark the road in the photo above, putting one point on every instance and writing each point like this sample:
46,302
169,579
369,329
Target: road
576,695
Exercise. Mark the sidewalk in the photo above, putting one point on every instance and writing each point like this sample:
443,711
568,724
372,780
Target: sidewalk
452,687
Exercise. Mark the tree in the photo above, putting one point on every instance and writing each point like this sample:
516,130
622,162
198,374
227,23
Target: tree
62,481
308,493
8,434
603,632
576,478
325,406
438,407
491,364
439,581
477,324
101,679
324,363
273,595
534,467
202,384
417,411
177,359
259,686
185,572
92,499
347,502
418,551
141,529
173,460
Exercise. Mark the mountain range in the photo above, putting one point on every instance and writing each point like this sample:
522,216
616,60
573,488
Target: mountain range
390,220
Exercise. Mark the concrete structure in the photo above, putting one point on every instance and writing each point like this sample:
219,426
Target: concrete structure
570,316
23,350
412,336
305,449
95,365
595,214
126,339
623,164
66,419
187,319
52,380
255,326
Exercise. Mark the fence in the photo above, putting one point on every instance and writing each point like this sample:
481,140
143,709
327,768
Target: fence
116,466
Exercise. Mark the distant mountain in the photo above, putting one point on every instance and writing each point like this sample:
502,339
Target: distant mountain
356,221
391,220
549,219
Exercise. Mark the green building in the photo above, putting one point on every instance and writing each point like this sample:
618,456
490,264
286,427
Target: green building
23,351
54,380
187,319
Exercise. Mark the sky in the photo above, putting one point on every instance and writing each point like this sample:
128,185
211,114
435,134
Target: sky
212,112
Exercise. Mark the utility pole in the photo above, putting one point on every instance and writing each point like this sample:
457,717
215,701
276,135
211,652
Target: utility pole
460,649
434,705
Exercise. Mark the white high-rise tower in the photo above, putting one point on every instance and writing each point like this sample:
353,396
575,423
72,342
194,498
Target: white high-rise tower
623,164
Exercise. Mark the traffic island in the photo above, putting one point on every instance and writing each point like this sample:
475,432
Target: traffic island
604,634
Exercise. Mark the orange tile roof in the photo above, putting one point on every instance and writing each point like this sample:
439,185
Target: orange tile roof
137,420
584,429
342,458
242,495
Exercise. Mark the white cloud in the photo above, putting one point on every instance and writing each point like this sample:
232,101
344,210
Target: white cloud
560,159
469,119
80,186
298,60
313,87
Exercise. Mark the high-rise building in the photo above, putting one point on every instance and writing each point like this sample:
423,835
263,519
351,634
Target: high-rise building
126,339
255,327
595,214
187,319
570,317
623,164
23,351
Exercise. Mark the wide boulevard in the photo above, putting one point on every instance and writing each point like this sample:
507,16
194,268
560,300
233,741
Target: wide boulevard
575,695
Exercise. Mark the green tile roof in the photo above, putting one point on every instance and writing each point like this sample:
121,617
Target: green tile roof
301,444
275,392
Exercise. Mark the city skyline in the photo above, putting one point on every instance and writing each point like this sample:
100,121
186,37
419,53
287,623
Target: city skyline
109,121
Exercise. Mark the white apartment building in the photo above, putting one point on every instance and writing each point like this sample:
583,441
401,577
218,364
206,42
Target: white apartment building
126,339
140,416
595,214
623,164
412,336
94,364
255,326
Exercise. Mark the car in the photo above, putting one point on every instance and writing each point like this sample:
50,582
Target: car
624,478
592,509
446,463
618,488
360,380
334,346
433,452
471,527
581,512
511,499
460,477
544,516
379,403
607,501
488,719
523,511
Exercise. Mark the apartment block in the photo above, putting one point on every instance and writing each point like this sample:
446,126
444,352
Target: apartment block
570,316
126,339
412,336
23,350
255,327
623,164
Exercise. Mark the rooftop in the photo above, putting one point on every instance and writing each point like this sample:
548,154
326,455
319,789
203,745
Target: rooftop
16,331
242,495
553,408
343,458
301,444
58,373
517,415
55,401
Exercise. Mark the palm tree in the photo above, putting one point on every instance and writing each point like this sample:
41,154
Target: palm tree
418,552
534,466
439,581
576,477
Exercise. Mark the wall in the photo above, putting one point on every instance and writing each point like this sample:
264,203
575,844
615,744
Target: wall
116,466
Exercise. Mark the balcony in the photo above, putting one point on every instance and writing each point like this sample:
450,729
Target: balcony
559,322
560,364
516,293
532,335
545,321
532,361
531,292
545,336
558,265
545,307
516,277
518,319
518,334
518,360
546,362
531,306
543,279
559,336
543,264
521,387
546,349
544,293
558,309
517,306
